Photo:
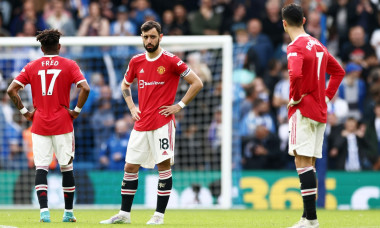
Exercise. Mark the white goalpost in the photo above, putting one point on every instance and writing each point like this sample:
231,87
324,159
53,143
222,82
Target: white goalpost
217,49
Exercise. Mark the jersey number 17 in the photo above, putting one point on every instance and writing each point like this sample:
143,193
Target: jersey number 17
55,74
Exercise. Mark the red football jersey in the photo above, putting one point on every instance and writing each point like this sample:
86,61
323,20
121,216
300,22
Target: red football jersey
158,80
308,63
50,78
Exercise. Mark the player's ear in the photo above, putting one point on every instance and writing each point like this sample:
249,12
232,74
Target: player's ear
304,20
59,47
161,35
42,49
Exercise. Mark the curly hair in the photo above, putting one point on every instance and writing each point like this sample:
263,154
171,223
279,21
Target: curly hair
49,39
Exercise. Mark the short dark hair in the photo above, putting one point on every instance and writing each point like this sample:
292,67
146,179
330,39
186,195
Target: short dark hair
293,14
49,39
149,25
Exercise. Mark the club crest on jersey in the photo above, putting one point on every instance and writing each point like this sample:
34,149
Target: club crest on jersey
161,69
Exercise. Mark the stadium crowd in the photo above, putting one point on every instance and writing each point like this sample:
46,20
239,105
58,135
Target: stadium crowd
349,28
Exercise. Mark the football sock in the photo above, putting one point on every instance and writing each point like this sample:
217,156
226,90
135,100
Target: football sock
165,183
41,185
128,190
68,185
308,191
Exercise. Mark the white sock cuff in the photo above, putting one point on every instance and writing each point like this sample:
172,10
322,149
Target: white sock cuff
159,214
44,209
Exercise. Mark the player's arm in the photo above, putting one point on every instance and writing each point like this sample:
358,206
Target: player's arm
82,98
195,86
13,94
336,72
126,90
295,64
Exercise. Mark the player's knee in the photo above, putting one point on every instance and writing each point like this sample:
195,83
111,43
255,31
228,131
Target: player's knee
165,165
131,168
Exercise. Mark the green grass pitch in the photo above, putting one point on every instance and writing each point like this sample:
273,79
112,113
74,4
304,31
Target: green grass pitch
195,218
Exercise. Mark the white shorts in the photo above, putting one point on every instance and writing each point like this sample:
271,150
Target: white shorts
44,145
305,136
147,148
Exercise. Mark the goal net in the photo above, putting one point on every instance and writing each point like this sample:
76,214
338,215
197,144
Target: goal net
203,173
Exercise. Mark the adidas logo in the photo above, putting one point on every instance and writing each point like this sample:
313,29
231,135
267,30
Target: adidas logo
141,71
43,194
165,153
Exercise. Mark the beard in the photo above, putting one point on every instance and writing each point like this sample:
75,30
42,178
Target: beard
151,48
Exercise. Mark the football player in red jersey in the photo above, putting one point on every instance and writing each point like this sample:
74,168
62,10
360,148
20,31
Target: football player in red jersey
50,78
308,63
152,140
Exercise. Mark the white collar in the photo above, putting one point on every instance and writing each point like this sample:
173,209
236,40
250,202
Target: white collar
49,55
154,59
302,35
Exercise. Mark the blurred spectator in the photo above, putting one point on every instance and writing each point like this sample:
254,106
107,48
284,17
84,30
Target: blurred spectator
357,49
365,15
61,19
5,107
167,24
272,23
12,155
102,120
141,10
338,107
272,76
94,24
112,156
258,116
375,38
261,90
280,52
338,11
247,104
3,31
313,25
29,29
123,26
281,96
182,25
205,21
236,23
260,44
353,90
28,14
107,9
215,130
194,61
79,10
348,149
5,12
262,152
373,136
255,9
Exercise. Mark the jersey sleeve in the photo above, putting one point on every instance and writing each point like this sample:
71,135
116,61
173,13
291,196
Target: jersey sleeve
180,67
129,75
336,72
23,78
77,74
295,63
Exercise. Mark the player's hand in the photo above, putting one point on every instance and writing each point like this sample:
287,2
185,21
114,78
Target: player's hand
168,110
135,113
29,115
292,102
72,113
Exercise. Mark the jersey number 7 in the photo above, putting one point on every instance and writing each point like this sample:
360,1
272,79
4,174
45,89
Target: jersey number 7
42,73
319,56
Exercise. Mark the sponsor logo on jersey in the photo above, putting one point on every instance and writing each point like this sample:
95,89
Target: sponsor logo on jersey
292,54
179,63
165,153
143,83
161,69
141,71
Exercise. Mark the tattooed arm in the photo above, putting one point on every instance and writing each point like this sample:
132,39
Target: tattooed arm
13,94
126,90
